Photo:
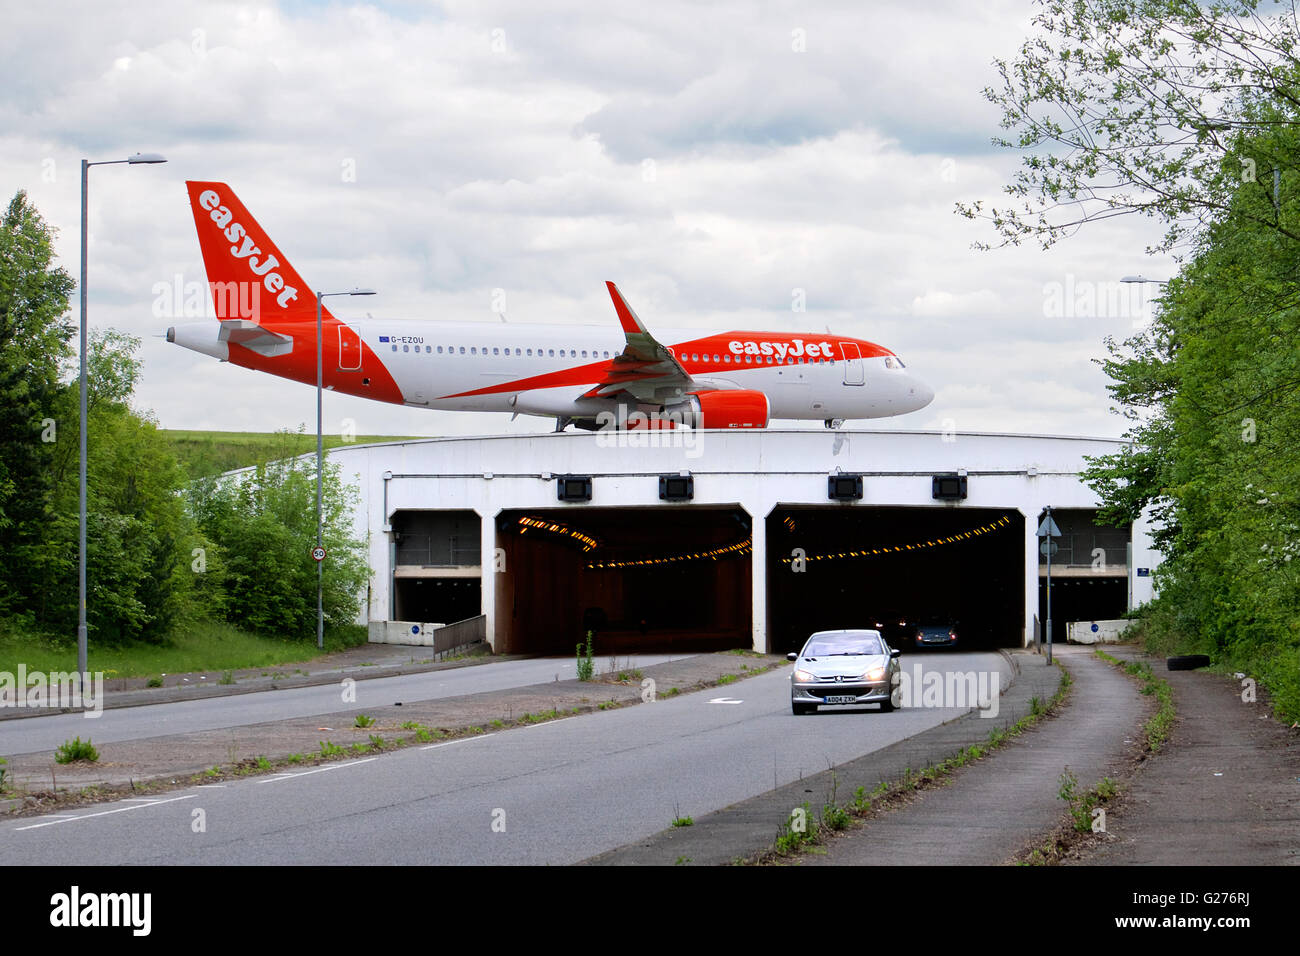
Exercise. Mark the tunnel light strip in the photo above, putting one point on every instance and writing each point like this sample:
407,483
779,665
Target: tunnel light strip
739,548
554,527
917,546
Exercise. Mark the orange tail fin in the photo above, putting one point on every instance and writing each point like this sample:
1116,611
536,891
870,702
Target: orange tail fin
244,266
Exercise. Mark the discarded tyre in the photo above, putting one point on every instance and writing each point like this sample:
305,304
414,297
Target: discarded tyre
1188,662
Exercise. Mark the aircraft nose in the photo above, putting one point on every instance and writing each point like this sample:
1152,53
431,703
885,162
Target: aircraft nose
922,394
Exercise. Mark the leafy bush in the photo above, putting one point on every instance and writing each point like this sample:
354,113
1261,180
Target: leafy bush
264,526
74,750
586,666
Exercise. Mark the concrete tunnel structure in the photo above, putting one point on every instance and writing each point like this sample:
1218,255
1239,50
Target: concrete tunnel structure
759,555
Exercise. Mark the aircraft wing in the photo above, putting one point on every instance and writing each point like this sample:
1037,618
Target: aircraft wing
645,369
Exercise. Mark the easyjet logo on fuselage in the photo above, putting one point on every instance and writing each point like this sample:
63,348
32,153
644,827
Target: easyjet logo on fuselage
248,250
796,348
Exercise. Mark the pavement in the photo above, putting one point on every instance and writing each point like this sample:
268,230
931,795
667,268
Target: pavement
1225,788
1011,798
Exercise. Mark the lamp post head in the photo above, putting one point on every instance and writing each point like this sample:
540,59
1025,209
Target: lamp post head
321,295
146,158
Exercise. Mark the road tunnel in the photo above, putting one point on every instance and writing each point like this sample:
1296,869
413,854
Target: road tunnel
641,579
894,567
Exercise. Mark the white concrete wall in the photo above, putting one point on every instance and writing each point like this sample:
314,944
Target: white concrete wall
757,470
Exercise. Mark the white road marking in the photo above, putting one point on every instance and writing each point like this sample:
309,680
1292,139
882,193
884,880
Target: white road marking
306,773
104,813
450,743
546,723
725,700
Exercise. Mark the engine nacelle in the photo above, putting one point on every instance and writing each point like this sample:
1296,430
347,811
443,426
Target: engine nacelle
742,408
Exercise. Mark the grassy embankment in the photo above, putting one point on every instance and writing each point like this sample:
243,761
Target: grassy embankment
201,646
205,646
203,454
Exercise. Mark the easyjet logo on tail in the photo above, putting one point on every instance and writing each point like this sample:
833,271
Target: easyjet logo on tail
262,265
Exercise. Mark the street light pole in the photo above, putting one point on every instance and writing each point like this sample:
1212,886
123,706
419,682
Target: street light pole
320,466
1048,539
83,667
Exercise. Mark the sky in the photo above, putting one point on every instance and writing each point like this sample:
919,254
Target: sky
721,163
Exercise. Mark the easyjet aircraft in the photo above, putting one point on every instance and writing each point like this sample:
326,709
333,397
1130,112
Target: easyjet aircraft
581,375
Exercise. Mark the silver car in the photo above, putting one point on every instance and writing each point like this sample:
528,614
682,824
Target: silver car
845,668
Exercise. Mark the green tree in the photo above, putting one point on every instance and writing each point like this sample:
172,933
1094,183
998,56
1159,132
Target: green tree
1153,107
34,342
1188,113
263,523
138,534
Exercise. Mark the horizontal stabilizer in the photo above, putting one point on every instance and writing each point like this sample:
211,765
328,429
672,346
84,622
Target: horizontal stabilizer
254,337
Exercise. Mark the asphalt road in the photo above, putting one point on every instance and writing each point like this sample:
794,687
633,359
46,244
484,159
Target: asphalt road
39,734
553,793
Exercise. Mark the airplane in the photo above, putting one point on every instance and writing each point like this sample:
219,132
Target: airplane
585,376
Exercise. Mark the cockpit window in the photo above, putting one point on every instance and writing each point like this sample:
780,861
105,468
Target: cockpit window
893,361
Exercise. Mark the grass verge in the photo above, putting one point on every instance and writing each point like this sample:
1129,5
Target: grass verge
1156,730
200,647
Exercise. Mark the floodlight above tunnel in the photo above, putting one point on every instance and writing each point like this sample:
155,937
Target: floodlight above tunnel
676,487
844,487
951,487
573,487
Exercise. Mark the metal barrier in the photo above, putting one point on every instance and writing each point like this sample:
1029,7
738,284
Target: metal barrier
472,630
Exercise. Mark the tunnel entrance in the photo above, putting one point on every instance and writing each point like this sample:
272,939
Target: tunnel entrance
642,579
1089,571
437,600
892,568
436,572
1081,599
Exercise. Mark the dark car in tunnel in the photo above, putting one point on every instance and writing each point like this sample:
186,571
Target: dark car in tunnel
935,632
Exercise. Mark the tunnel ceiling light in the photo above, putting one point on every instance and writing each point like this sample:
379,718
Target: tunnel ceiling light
727,551
887,549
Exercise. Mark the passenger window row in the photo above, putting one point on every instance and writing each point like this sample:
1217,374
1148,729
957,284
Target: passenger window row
498,351
694,357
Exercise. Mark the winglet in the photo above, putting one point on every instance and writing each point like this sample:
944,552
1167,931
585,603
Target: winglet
626,317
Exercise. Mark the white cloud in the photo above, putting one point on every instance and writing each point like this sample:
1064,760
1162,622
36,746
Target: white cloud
501,146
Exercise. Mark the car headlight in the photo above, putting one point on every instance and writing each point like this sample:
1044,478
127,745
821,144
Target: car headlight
804,677
876,673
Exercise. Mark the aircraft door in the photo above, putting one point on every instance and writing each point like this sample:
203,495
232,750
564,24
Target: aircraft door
349,349
854,367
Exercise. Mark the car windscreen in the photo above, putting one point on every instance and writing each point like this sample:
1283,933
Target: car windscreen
830,647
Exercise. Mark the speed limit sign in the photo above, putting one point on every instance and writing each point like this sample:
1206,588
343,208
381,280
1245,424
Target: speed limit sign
318,554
